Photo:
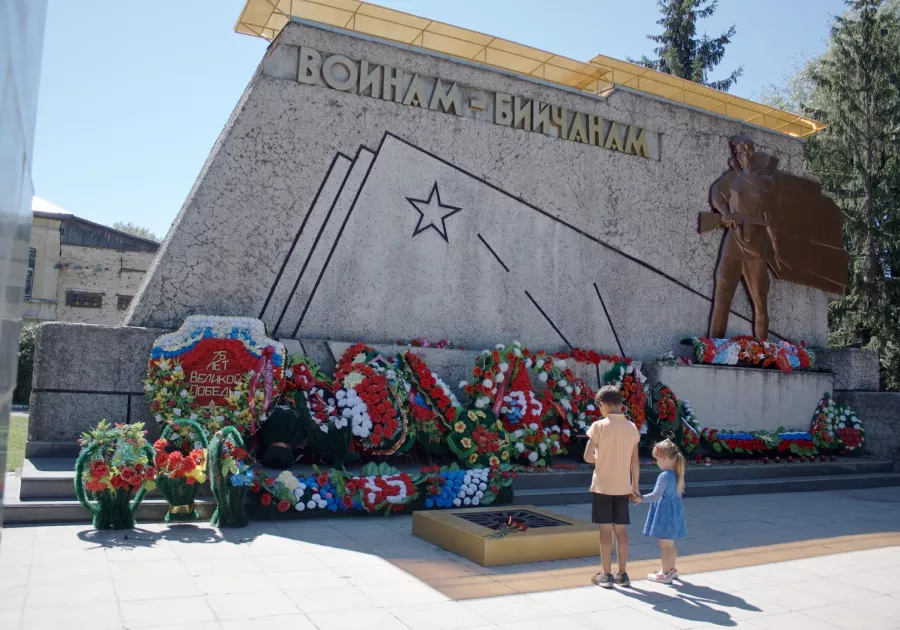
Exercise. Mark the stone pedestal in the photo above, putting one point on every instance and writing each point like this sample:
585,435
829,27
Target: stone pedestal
745,399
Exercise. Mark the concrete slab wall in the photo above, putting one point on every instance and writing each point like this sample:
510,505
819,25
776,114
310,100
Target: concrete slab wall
307,214
745,399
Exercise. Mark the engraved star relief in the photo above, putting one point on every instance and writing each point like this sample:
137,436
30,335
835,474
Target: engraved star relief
433,213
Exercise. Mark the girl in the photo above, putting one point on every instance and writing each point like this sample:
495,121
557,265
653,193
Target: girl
665,520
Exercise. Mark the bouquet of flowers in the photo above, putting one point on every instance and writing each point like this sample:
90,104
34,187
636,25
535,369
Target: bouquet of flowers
450,487
180,474
796,442
230,477
690,427
113,472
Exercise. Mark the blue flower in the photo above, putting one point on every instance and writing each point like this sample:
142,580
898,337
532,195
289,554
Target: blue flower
429,503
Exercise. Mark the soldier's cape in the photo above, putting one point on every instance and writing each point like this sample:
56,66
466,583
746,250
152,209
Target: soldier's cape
808,229
806,225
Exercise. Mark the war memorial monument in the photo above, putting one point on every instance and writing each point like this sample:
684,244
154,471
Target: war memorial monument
385,178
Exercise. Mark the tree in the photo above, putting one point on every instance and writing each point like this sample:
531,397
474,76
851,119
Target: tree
856,91
136,230
680,52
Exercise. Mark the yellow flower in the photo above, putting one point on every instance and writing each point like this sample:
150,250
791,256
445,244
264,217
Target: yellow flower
494,461
474,416
499,424
505,455
460,427
466,443
473,458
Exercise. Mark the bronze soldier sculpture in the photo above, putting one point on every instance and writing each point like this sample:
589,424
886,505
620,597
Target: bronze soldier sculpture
773,220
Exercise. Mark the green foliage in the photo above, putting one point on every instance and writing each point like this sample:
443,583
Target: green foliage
136,230
22,392
856,91
681,52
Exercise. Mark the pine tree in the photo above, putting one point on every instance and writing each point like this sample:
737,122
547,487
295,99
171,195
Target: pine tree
680,52
857,93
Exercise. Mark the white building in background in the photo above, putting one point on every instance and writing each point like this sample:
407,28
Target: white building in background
80,271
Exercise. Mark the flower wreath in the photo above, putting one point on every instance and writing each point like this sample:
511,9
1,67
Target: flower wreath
752,352
664,408
432,404
631,382
310,392
478,439
377,420
262,361
449,487
837,426
690,427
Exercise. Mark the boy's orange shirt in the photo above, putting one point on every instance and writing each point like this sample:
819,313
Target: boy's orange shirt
613,439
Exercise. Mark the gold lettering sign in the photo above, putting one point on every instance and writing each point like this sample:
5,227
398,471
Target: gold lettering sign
384,82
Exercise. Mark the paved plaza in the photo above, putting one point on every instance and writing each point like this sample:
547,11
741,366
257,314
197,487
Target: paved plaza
792,561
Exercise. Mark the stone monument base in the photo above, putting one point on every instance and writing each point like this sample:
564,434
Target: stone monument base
745,399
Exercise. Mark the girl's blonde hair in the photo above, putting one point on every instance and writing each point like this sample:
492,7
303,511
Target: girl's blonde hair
668,450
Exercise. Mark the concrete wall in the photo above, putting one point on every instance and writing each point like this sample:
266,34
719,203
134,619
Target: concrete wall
745,399
97,270
854,369
84,373
880,413
303,215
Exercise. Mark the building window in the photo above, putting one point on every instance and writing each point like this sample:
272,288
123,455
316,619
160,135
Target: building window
29,275
123,301
82,299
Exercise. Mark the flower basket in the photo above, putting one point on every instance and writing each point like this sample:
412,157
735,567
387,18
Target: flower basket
113,473
180,475
230,478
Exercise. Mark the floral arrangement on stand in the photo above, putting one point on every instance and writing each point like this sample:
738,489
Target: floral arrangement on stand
836,427
247,372
750,352
113,472
689,438
179,474
478,439
230,477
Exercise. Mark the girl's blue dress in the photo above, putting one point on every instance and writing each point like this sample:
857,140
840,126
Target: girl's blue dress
666,516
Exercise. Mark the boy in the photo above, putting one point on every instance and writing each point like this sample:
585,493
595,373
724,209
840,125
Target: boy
613,449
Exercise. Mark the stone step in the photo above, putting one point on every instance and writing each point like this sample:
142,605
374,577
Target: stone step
53,478
61,511
729,487
718,472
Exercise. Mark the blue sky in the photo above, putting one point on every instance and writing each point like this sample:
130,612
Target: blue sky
134,94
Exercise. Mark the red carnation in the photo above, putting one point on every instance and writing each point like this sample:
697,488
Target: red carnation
270,481
283,506
266,499
351,487
172,403
322,479
161,460
348,502
154,405
255,488
160,444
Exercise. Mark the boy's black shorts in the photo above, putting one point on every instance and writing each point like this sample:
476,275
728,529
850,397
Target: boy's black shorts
610,509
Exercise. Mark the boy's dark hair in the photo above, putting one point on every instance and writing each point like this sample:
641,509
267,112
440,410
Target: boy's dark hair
609,395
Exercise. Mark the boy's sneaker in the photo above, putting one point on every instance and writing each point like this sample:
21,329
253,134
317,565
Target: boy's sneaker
622,579
663,578
603,579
